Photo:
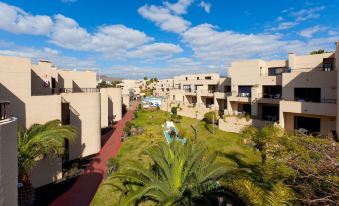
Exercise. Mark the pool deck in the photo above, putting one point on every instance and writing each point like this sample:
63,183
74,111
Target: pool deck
85,187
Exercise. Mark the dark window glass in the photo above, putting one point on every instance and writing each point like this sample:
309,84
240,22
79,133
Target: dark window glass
307,94
308,123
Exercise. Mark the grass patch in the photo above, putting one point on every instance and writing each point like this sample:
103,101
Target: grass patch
131,150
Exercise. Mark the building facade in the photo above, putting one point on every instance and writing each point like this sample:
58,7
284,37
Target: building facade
40,92
299,93
198,94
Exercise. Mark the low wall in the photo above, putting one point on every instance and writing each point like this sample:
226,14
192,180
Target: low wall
186,110
235,123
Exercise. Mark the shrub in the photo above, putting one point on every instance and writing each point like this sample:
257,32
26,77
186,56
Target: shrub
208,117
112,166
182,132
174,111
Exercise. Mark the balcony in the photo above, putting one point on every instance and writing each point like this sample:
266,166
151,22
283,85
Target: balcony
323,107
190,91
269,98
4,110
240,97
220,94
207,92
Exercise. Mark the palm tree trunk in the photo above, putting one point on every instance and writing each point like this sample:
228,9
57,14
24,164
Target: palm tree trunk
26,193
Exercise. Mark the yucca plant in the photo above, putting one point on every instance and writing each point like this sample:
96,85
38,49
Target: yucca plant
178,175
41,140
252,194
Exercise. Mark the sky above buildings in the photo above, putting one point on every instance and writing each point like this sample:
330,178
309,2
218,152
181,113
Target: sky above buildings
136,38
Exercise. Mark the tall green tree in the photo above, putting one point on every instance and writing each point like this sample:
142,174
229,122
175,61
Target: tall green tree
39,141
177,176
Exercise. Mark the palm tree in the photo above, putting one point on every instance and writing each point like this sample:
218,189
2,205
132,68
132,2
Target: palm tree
252,194
178,175
260,138
39,141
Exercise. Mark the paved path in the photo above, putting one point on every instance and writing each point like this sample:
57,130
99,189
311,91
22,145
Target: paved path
85,187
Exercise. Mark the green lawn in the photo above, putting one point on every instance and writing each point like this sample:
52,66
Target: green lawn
151,121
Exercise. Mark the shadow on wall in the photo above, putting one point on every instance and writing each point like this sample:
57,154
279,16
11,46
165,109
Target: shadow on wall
40,86
76,87
61,81
17,107
110,111
77,149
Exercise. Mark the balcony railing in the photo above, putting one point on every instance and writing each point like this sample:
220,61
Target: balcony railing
4,110
269,95
208,91
244,94
329,101
75,90
190,90
323,69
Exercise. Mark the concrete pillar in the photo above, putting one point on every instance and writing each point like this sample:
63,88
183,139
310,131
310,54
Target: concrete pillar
254,101
337,68
291,60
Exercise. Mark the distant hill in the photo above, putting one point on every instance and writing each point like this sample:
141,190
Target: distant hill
107,78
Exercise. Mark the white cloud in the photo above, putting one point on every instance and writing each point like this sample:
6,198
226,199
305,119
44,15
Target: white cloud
285,25
297,16
306,14
15,20
180,7
215,47
163,18
308,32
113,40
279,19
206,6
69,1
65,62
156,50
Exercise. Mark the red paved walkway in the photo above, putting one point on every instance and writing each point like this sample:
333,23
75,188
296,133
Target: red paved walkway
85,187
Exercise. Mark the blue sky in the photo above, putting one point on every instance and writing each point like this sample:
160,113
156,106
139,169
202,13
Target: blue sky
136,38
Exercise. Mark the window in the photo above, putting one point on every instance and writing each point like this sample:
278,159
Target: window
211,88
328,67
209,102
197,78
307,123
328,64
307,94
274,71
173,97
186,78
273,92
244,91
187,88
53,83
208,77
245,108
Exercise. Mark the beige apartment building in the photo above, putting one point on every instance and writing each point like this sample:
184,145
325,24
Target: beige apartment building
198,94
162,87
40,92
299,94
